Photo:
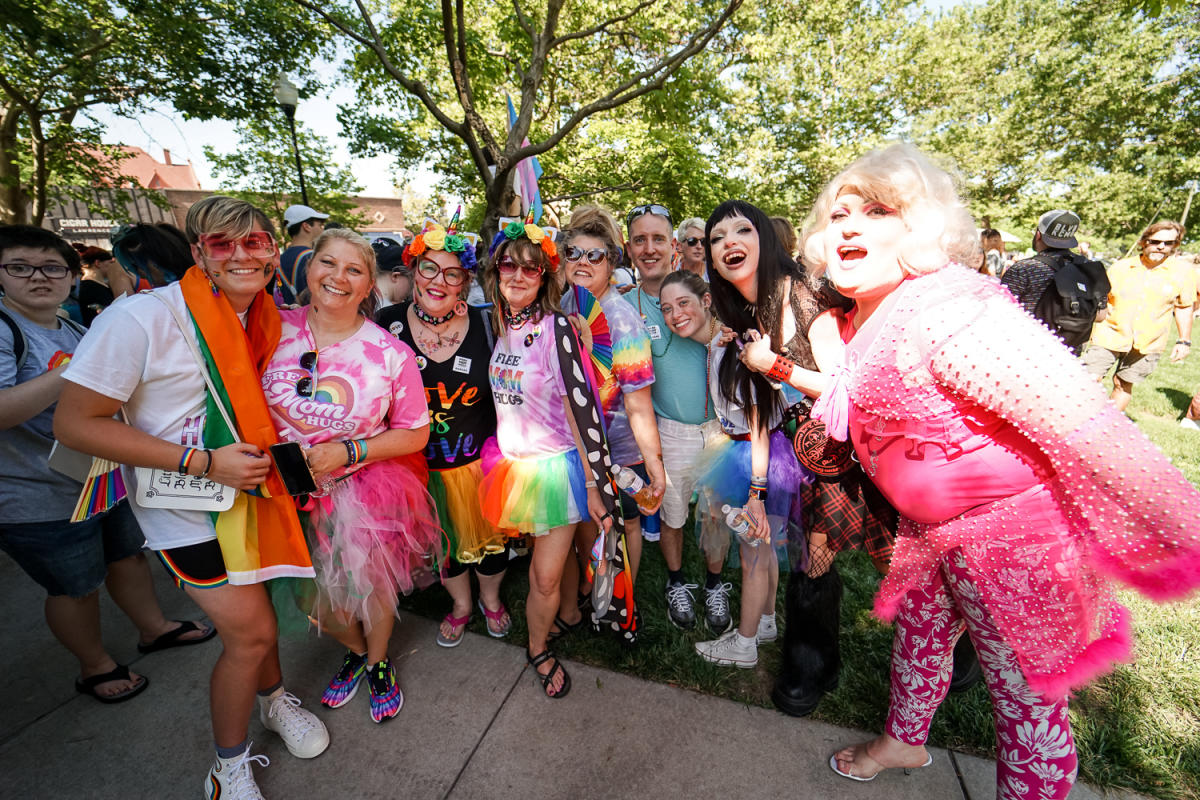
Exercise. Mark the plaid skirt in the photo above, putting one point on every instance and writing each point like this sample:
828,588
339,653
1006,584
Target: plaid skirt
852,513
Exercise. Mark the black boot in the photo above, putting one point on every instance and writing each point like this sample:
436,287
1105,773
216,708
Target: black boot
811,655
966,671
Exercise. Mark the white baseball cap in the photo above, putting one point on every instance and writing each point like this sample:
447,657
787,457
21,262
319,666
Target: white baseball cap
295,214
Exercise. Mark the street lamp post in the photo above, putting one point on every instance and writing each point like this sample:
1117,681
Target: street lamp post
287,96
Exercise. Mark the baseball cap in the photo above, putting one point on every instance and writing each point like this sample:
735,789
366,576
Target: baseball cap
295,214
389,256
1058,228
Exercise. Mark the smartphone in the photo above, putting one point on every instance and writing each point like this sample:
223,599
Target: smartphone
289,461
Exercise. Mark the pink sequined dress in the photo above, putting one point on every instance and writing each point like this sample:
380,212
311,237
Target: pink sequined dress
989,438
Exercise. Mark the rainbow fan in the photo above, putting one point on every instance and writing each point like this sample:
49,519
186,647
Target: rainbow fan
588,307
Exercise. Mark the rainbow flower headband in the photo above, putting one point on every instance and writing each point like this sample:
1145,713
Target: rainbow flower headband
434,237
539,236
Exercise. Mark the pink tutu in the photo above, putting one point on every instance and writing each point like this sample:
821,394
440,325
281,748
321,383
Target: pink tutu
376,535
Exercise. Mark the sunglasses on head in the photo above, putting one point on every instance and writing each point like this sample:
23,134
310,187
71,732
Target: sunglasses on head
692,241
506,266
1162,242
594,256
649,208
218,247
454,276
306,385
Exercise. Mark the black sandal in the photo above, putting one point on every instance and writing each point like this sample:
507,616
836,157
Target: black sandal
564,628
121,673
173,637
548,678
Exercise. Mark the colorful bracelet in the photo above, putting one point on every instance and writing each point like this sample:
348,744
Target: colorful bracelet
781,370
758,487
185,460
761,494
356,451
208,466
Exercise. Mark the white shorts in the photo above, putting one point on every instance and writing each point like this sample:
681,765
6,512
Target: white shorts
681,444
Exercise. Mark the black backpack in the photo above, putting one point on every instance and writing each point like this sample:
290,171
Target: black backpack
1076,292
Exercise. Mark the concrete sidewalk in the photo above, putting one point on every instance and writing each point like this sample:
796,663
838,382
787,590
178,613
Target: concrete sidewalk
474,725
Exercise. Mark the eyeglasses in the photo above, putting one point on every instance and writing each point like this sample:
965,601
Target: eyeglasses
506,266
594,256
692,241
650,208
257,244
308,363
1163,242
50,271
454,276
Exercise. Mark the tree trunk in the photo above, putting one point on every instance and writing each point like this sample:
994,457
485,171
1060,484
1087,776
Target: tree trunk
14,204
41,170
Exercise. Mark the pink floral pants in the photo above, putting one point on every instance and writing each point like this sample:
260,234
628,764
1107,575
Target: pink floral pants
1036,752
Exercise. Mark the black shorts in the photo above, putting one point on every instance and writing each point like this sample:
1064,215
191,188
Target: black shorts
198,565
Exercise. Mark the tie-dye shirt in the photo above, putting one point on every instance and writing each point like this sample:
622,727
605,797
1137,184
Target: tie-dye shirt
631,370
365,384
531,420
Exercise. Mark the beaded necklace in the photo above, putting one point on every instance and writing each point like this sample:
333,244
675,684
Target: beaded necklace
520,318
712,329
428,318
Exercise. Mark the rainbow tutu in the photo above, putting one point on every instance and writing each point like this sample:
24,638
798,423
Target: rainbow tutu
534,495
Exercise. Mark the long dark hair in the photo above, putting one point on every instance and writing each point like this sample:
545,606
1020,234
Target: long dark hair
738,383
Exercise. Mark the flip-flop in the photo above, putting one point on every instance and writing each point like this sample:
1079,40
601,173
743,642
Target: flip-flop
496,616
454,640
121,673
171,638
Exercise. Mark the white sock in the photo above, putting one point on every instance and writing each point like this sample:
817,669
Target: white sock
747,641
767,619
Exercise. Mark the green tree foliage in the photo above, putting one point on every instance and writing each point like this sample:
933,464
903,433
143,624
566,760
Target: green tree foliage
1049,104
59,58
262,170
432,80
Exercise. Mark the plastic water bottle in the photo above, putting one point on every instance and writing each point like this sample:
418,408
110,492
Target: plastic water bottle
740,521
632,484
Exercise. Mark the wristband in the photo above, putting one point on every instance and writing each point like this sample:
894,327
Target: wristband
589,484
356,451
1187,342
761,494
208,466
185,461
781,370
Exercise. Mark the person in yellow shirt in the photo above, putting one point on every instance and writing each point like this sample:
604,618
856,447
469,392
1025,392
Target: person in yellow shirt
1147,291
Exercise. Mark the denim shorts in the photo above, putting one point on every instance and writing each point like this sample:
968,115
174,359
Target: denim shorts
72,558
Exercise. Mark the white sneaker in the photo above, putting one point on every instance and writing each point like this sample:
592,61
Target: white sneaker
768,631
231,778
303,734
730,651
1190,424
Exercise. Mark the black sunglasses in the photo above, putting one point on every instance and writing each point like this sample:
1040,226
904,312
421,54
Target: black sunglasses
649,208
308,363
692,241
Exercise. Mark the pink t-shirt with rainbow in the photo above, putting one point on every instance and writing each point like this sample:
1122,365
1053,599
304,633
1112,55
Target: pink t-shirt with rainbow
365,384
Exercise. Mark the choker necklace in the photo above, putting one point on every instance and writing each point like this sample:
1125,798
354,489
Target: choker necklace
428,318
520,318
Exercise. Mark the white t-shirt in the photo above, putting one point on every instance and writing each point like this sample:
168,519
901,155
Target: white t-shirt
134,352
732,415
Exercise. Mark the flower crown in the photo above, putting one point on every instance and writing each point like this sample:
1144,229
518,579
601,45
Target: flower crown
435,237
541,237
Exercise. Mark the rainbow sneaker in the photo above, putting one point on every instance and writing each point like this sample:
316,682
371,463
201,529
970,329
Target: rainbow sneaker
386,697
345,683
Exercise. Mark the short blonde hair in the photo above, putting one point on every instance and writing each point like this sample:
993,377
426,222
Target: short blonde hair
902,177
370,303
226,215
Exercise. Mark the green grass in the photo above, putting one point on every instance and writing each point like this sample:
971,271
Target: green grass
1137,729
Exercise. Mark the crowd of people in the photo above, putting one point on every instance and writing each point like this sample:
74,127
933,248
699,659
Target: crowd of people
306,435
